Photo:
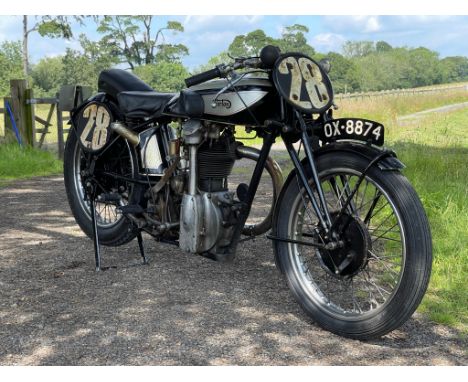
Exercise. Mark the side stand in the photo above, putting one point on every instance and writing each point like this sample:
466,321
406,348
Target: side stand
142,249
91,192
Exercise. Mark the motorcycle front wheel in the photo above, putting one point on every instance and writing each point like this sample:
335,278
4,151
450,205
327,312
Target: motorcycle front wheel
375,281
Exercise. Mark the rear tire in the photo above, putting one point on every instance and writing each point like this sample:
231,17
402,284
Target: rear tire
394,284
119,230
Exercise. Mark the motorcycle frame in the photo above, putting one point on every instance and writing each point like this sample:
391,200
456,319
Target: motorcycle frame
295,128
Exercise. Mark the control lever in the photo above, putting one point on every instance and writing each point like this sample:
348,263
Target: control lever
235,79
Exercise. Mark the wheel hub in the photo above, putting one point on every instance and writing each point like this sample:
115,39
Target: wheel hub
350,258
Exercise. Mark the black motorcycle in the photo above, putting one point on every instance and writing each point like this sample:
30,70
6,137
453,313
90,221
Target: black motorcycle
349,232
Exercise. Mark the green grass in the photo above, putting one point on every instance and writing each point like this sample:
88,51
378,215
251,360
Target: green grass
435,150
19,163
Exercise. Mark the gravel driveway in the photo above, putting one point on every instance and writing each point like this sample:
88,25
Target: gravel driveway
179,310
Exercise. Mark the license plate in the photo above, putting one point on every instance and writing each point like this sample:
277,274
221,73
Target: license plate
352,128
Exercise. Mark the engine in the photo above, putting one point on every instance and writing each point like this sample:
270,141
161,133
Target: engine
209,210
216,157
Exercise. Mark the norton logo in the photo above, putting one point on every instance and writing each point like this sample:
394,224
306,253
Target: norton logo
221,103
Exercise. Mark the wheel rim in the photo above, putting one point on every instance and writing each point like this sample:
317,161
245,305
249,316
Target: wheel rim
106,214
368,289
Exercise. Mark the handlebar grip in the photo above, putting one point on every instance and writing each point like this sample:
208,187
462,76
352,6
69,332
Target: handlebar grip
202,77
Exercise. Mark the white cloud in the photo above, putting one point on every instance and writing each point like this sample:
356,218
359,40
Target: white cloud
352,24
221,23
372,24
326,42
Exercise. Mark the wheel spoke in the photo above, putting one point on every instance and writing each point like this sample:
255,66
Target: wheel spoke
385,233
363,196
384,221
384,264
355,303
368,218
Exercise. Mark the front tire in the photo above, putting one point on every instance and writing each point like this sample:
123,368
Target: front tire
388,238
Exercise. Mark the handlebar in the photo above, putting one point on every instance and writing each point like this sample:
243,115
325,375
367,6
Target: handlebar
267,58
223,70
203,77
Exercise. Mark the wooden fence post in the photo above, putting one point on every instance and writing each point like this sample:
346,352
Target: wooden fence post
20,112
30,116
59,129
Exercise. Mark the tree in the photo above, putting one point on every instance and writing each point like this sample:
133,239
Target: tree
358,48
250,44
293,40
163,76
427,67
10,62
221,58
134,41
382,46
454,69
343,73
99,54
48,75
78,69
50,26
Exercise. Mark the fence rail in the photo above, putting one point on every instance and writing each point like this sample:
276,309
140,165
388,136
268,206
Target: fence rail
410,91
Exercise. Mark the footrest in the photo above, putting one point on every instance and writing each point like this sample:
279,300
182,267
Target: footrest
133,209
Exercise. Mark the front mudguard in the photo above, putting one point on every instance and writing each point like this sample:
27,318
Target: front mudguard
387,163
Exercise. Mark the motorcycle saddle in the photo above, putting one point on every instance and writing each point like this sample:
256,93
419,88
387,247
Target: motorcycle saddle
141,104
114,81
139,100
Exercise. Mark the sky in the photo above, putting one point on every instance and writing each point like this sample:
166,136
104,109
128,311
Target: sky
208,35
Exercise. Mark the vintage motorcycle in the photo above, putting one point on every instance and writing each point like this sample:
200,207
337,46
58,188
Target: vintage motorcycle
349,232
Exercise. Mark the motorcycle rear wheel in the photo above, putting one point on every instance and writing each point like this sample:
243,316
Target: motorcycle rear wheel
388,239
113,228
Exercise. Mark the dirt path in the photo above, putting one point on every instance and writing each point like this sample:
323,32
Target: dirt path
179,310
443,109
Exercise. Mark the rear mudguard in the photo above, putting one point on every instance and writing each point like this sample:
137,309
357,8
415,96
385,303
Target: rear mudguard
387,163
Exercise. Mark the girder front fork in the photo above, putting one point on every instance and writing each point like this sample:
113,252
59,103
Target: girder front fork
318,201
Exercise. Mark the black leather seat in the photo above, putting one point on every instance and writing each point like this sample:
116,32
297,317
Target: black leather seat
140,104
137,99
114,81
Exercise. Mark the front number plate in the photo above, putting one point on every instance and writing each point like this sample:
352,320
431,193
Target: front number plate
352,128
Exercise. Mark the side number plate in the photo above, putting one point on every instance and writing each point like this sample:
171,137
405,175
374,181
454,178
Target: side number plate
92,124
352,128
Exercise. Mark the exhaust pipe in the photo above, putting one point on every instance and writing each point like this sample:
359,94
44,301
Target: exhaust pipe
125,132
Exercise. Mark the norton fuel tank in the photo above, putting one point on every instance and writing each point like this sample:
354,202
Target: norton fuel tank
231,105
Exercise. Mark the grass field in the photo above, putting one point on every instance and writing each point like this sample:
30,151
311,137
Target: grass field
19,163
435,150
